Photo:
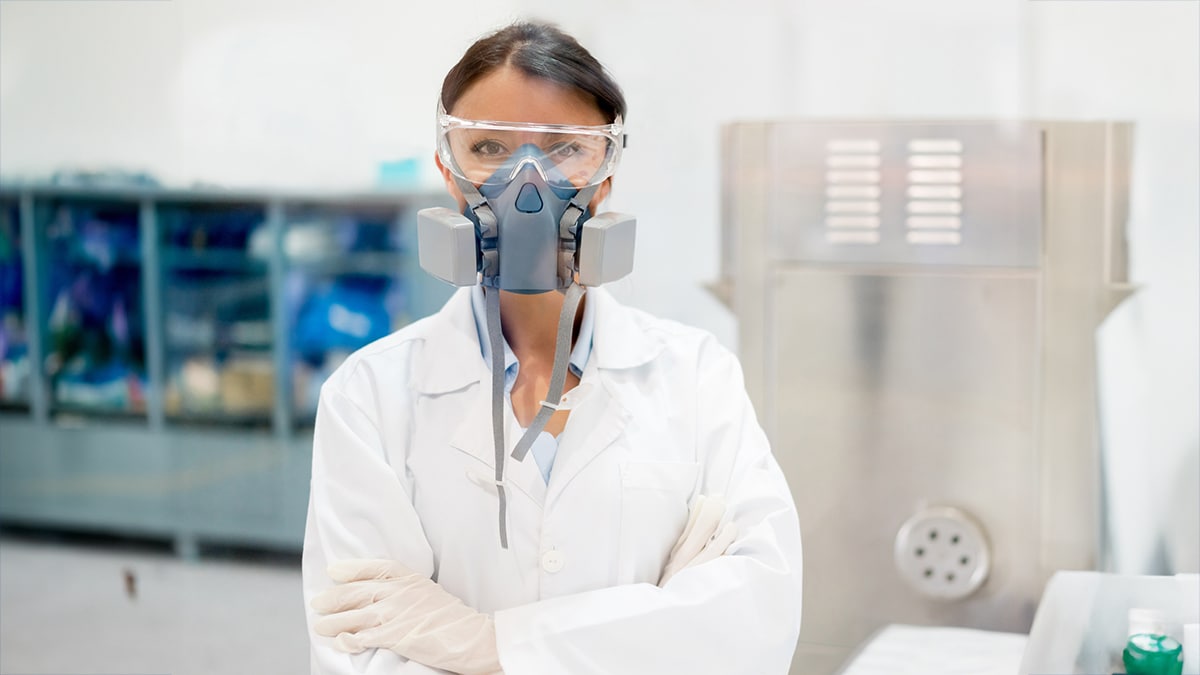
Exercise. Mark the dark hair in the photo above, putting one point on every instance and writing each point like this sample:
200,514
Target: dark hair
537,50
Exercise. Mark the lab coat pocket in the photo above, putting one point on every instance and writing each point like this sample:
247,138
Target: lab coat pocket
654,511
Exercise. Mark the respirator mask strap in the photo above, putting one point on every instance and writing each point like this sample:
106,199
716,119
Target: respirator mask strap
495,339
477,203
558,372
488,225
558,379
568,233
575,210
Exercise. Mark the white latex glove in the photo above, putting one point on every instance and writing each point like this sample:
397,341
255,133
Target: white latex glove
382,604
702,540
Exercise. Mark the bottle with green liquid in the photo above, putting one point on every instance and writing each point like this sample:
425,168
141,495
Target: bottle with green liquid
1150,650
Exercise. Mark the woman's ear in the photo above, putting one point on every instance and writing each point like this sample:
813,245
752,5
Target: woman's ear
451,186
600,196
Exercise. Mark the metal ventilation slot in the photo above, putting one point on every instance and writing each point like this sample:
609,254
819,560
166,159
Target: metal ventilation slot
935,145
869,222
852,191
929,176
943,238
871,206
933,222
853,145
852,177
853,237
934,192
856,161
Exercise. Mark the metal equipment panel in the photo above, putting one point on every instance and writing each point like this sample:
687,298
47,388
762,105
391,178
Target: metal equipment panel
917,304
912,193
895,392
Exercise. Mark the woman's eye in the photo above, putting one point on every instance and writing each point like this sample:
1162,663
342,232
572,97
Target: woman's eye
564,150
489,148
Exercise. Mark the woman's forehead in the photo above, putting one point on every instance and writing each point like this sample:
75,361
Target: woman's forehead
508,95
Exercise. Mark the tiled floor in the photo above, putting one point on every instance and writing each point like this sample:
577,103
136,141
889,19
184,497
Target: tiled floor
67,608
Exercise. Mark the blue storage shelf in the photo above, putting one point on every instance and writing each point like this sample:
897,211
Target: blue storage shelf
161,350
14,349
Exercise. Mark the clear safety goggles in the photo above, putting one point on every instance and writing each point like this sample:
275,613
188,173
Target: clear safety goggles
568,155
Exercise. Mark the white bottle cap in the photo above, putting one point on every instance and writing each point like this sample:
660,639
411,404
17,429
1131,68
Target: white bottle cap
1149,621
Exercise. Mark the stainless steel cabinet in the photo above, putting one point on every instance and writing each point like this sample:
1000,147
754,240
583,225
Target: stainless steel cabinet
917,304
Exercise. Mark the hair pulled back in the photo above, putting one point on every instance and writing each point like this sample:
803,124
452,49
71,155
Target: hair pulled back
538,50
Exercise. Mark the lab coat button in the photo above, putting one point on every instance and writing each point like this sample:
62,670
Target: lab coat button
552,561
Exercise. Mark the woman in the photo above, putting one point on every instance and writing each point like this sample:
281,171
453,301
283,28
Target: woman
648,530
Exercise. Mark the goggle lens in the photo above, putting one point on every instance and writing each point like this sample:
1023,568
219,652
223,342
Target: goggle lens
573,156
479,153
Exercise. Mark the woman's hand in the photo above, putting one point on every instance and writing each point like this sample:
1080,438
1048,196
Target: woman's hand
704,537
381,604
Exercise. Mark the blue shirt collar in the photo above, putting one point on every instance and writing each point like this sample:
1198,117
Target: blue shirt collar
579,354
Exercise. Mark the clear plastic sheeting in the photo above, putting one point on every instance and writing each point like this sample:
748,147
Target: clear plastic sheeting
1082,623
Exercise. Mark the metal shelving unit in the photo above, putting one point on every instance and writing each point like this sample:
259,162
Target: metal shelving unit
161,350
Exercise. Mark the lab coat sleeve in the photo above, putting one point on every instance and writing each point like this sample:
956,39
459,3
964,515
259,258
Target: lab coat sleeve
739,613
358,508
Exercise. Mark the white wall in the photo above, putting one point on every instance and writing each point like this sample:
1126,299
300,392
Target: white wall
266,93
315,94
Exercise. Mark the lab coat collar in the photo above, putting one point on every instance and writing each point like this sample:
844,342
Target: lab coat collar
598,420
449,338
450,360
618,341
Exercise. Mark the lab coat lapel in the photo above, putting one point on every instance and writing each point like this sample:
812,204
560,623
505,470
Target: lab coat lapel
595,424
451,362
474,433
619,343
525,474
474,437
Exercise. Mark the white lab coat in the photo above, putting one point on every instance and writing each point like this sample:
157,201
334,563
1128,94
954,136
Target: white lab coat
403,464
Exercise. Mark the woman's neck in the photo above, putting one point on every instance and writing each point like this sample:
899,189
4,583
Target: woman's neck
530,323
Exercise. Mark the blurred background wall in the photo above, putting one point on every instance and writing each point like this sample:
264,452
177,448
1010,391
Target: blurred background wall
316,95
